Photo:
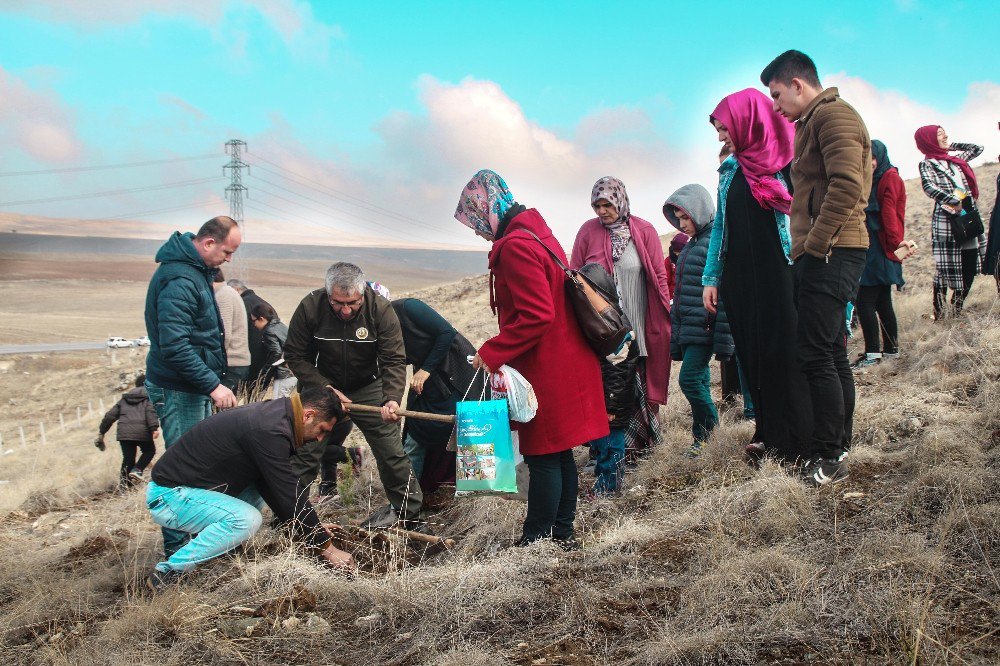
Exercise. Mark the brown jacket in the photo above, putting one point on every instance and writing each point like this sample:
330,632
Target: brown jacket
324,349
831,177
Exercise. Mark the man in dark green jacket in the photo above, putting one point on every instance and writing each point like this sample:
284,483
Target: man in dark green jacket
348,337
831,181
187,356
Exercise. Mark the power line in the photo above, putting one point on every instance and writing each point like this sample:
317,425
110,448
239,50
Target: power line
338,194
327,208
102,167
394,226
155,211
93,195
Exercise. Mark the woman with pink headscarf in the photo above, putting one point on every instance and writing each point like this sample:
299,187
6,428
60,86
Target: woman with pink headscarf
949,181
749,268
540,338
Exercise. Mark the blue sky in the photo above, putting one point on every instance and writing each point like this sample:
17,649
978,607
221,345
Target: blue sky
396,104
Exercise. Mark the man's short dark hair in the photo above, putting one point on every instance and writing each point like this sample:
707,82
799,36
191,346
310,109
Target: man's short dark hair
140,379
791,65
324,401
263,310
217,229
724,151
219,277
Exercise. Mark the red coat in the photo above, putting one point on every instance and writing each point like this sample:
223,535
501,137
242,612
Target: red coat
539,337
891,195
593,244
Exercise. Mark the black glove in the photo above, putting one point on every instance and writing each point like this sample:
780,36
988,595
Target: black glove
99,442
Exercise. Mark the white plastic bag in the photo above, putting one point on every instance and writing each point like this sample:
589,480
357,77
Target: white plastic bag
507,383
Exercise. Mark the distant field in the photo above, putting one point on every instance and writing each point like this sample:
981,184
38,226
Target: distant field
55,289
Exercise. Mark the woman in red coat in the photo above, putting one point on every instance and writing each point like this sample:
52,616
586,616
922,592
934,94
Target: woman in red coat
540,338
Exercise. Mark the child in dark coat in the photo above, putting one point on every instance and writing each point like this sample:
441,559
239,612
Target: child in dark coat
695,334
137,428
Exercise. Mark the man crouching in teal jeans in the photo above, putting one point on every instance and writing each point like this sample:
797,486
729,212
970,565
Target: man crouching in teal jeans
213,481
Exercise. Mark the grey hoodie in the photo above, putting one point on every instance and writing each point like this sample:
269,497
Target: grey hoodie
691,324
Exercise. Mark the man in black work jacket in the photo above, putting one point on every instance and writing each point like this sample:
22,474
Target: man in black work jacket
348,336
213,481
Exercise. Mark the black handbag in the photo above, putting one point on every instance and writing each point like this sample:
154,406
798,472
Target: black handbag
593,296
966,224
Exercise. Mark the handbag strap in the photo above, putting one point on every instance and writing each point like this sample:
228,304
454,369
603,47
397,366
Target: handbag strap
565,269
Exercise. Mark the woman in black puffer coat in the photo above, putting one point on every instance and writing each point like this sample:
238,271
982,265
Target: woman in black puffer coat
695,334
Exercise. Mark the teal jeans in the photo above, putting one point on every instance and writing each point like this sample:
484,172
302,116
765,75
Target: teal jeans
696,384
177,411
217,522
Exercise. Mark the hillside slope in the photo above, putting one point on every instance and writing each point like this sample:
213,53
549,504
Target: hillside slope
699,561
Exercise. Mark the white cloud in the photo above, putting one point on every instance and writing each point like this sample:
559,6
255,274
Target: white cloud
293,20
474,124
892,117
35,123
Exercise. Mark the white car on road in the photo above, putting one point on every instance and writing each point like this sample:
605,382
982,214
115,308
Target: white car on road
141,342
120,342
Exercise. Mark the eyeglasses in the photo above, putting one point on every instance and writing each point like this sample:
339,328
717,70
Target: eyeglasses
346,304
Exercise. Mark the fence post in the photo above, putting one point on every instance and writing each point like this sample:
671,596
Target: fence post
62,422
1,442
21,430
78,421
90,408
41,429
102,405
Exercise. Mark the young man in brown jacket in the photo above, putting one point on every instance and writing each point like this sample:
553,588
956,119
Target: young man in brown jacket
831,180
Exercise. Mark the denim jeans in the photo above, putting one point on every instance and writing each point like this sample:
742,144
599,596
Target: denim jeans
609,461
177,411
822,289
218,521
551,496
695,381
417,454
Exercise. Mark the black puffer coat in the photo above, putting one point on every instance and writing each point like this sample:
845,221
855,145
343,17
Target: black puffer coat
691,324
135,415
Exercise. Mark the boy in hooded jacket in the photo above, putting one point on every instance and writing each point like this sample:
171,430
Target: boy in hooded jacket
695,333
137,427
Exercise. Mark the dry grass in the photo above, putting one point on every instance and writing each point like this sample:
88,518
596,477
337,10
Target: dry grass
698,561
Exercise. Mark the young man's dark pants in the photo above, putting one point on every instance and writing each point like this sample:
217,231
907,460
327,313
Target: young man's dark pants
822,289
551,496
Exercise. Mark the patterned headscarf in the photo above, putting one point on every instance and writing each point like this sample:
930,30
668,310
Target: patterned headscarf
613,190
483,202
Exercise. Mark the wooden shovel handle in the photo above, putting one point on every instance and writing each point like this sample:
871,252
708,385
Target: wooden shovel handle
423,416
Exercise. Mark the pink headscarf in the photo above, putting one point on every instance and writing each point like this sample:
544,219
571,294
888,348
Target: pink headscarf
762,140
927,143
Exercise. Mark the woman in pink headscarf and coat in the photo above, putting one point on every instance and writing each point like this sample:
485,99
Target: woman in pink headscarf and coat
630,250
749,268
540,338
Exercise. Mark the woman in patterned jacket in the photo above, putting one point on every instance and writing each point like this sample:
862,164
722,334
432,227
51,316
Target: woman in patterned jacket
948,179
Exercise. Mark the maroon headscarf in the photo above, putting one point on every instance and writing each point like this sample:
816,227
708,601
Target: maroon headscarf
762,140
927,143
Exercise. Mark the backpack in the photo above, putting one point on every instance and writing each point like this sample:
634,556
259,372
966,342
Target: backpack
592,292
